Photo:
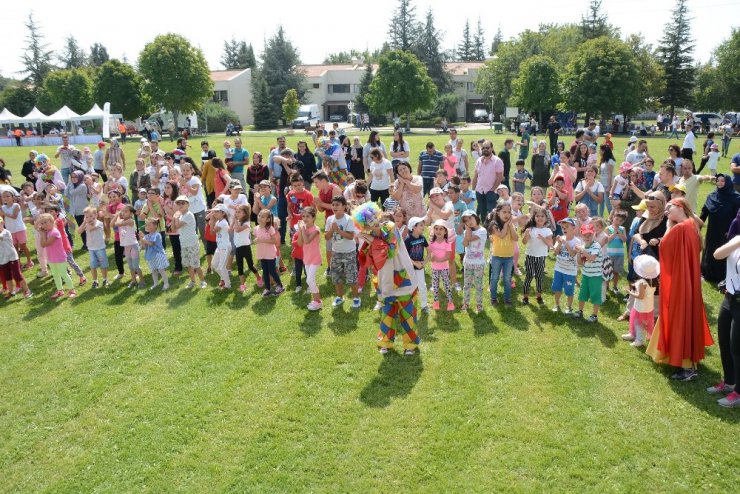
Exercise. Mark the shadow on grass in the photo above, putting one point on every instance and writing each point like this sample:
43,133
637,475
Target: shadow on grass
585,329
397,376
446,321
183,297
482,324
311,324
265,305
513,318
40,305
123,294
345,318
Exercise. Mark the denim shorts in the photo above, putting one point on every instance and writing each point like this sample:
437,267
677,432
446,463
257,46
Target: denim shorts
565,283
98,259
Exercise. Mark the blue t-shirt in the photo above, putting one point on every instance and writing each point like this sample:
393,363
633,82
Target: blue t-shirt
266,200
615,247
430,163
239,155
459,208
152,251
649,177
415,247
470,194
736,176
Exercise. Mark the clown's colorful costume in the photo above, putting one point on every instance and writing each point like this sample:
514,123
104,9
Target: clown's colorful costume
387,256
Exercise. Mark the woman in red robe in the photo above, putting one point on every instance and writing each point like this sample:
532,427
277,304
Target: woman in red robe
681,332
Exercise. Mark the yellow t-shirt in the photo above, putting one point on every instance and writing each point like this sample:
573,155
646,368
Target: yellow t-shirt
502,246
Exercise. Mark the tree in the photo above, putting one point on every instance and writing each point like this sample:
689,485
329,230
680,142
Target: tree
479,42
290,106
401,85
403,30
708,91
595,24
70,87
280,62
465,49
18,99
427,50
651,73
262,107
238,55
727,55
73,57
603,77
176,75
498,38
98,55
361,104
446,106
674,54
118,83
538,86
37,59
246,56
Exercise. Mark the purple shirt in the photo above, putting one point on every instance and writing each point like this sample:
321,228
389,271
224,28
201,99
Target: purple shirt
488,171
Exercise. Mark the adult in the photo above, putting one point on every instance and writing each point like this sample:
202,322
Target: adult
540,166
720,208
463,165
524,143
489,173
691,182
65,153
681,332
306,163
28,171
726,138
429,162
381,176
652,228
400,150
372,142
77,194
505,155
356,165
408,190
674,153
589,133
735,170
577,140
453,138
205,152
114,154
728,326
221,180
239,159
553,132
639,155
192,188
689,144
590,192
606,174
47,174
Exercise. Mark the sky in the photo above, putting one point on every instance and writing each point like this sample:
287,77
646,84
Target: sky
124,29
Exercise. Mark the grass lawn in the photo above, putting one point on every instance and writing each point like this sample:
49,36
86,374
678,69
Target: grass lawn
204,391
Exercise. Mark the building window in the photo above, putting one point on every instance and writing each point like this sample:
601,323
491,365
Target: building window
459,84
338,88
316,85
356,88
471,87
221,96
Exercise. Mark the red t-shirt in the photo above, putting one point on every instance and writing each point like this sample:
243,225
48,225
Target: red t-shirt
112,210
297,249
210,236
328,196
296,202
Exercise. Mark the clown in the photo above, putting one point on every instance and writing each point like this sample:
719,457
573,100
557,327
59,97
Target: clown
333,162
384,251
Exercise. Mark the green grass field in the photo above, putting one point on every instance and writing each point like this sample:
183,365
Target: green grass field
204,391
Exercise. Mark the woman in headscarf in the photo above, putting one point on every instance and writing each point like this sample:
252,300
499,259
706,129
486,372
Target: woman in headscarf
541,166
721,207
114,154
681,332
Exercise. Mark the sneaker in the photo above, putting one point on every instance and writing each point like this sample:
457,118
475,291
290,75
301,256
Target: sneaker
117,277
464,307
458,288
719,388
167,287
71,294
337,301
132,284
190,285
266,293
615,291
513,285
425,309
283,269
556,308
154,286
27,294
435,305
517,272
685,375
540,301
508,303
567,311
260,283
298,289
479,308
203,284
383,350
95,284
378,305
409,352
278,290
356,303
242,288
525,301
637,344
57,294
624,316
176,273
313,305
450,306
628,337
28,265
83,280
105,283
578,314
42,274
221,283
327,273
494,301
593,318
732,400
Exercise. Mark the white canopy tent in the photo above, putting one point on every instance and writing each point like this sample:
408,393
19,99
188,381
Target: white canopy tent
64,114
34,116
95,113
6,117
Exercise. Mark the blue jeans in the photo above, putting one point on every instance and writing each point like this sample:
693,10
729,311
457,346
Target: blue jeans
605,204
486,203
497,264
66,172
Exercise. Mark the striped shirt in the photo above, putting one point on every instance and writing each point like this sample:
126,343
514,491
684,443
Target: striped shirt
430,163
593,268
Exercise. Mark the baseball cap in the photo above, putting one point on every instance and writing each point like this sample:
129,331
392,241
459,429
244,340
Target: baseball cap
415,221
468,212
235,184
182,199
633,139
440,222
570,221
101,144
681,187
142,190
265,183
436,190
221,208
502,186
143,140
588,228
640,207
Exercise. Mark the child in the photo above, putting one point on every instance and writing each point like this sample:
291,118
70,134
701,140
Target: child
601,238
51,240
220,227
308,238
467,194
138,205
474,265
440,250
10,266
519,220
649,173
36,210
95,242
566,264
558,204
521,176
442,181
415,245
124,221
712,159
459,207
340,230
503,193
591,259
60,224
441,209
504,246
582,217
153,208
170,194
263,199
111,210
538,201
449,162
154,253
183,222
243,243
11,213
266,246
538,238
297,254
642,313
390,204
297,199
621,181
400,219
616,237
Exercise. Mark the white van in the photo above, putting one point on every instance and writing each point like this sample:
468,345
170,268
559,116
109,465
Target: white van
308,116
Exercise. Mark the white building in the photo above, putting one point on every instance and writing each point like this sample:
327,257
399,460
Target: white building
333,87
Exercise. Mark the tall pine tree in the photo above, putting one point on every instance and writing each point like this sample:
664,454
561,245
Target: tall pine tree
238,55
73,57
498,38
280,62
465,48
37,59
263,108
675,55
361,105
427,50
403,30
98,55
479,42
246,57
595,23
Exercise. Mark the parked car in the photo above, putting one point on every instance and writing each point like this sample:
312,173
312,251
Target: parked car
308,116
480,115
337,117
704,122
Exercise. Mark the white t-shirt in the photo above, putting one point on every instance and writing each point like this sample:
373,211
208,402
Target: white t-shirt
127,235
187,232
536,247
95,237
634,157
14,225
474,250
231,204
243,237
596,188
339,243
197,201
222,235
564,262
604,172
405,147
712,160
65,156
367,148
620,183
689,142
379,173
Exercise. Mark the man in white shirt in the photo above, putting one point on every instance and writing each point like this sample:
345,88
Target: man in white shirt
639,155
689,144
65,152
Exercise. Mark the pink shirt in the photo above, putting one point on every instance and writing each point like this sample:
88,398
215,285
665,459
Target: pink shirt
487,170
439,249
311,251
55,251
450,165
265,250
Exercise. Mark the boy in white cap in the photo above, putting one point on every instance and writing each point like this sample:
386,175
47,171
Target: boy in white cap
415,245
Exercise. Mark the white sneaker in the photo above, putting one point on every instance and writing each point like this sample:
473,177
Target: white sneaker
628,337
337,301
637,344
298,289
190,285
203,284
378,305
458,288
313,305
117,277
556,308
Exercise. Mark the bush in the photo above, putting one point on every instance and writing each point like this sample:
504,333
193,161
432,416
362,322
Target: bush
219,116
446,106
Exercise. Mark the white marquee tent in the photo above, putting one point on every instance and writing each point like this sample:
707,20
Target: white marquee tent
6,117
